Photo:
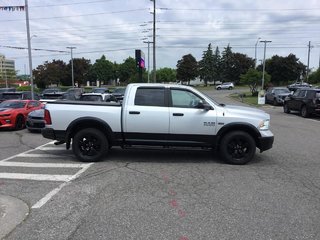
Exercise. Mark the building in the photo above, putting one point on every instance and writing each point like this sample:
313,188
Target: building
7,69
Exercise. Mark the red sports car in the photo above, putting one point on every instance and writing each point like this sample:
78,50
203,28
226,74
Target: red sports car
13,113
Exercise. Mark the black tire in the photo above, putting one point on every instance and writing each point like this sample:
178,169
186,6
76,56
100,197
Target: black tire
230,88
20,123
90,145
286,108
237,147
304,111
275,103
219,88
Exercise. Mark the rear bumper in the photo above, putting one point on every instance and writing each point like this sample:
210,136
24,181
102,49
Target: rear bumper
53,134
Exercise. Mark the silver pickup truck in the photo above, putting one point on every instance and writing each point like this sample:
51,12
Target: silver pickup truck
158,115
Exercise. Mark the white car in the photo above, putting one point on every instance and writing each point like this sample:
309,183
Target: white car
226,85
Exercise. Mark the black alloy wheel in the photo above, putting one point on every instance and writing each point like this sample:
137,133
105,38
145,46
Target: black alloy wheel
90,145
237,147
286,108
304,111
19,123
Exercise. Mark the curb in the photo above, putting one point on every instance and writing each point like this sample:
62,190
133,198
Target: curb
12,212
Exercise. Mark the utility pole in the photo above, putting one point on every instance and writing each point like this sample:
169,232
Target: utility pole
154,41
148,42
72,77
309,48
29,48
264,61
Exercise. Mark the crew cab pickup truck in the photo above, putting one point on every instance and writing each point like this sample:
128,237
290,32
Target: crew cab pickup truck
158,115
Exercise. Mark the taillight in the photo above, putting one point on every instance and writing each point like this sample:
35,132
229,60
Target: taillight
47,117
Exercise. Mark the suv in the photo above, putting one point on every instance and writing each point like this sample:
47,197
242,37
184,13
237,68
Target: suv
19,95
296,85
304,100
226,85
276,95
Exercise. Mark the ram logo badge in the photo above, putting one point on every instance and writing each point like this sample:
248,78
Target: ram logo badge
209,124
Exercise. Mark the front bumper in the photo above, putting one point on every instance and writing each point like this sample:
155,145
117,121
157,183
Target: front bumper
265,143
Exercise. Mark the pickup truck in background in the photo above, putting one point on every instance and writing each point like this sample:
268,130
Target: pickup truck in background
158,115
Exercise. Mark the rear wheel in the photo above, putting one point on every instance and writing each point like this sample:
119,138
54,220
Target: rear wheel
304,111
90,145
237,147
230,88
19,123
219,88
286,108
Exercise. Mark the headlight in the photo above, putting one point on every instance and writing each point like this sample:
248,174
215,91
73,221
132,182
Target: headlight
264,125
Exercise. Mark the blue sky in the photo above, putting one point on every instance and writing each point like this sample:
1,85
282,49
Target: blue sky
116,28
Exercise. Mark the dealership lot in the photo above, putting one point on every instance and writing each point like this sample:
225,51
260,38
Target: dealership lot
168,193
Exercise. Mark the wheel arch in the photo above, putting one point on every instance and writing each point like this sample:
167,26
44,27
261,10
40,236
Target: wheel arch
89,122
238,126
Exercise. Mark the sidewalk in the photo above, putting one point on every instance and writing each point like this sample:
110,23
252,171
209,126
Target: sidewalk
12,212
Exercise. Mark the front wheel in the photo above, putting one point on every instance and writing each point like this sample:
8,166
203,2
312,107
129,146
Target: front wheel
304,111
286,108
90,145
19,123
237,147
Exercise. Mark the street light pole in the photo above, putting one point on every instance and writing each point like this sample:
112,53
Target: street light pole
29,48
154,41
148,42
255,52
72,77
264,61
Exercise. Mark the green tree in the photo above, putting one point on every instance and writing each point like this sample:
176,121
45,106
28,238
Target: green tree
166,75
103,70
187,69
51,73
314,77
207,66
217,66
227,65
81,67
127,71
253,78
284,70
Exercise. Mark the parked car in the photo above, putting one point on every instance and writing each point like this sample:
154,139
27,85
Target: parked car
35,120
276,95
119,93
296,85
72,94
25,95
13,113
2,90
226,85
304,100
98,97
50,91
100,90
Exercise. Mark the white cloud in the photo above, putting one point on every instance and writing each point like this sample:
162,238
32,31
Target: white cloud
115,28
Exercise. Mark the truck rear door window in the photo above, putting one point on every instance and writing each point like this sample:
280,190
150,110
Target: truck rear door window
150,97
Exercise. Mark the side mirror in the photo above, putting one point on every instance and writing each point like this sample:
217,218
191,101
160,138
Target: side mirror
204,105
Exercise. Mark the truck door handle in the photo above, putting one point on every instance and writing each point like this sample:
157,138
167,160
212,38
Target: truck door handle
134,112
177,114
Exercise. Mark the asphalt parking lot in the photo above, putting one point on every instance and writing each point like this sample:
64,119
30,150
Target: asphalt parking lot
168,193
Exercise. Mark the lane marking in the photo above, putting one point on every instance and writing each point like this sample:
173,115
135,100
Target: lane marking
52,148
46,198
42,165
36,155
36,177
31,150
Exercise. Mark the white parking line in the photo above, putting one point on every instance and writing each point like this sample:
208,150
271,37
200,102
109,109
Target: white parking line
31,150
35,155
42,165
46,198
36,177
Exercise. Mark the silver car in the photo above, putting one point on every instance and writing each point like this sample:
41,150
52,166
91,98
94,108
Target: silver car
276,95
226,85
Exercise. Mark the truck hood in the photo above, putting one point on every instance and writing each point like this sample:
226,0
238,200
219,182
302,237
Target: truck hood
246,111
